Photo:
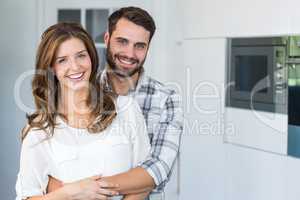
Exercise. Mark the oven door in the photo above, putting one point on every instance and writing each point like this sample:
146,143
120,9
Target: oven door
251,76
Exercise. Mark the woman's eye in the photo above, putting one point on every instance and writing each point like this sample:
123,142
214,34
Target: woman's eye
81,55
60,61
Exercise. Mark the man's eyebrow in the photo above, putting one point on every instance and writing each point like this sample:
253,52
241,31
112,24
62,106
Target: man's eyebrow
143,43
139,43
121,38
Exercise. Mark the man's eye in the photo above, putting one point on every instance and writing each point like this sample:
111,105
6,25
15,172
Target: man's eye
123,42
140,46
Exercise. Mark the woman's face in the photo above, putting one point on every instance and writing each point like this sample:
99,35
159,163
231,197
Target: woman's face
72,65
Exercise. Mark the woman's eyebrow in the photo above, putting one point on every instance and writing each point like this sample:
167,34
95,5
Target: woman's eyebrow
75,54
60,57
81,51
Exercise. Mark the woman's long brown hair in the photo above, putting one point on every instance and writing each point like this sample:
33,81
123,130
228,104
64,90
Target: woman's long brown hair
45,86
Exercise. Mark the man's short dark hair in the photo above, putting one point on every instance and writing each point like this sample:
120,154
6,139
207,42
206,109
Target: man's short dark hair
135,15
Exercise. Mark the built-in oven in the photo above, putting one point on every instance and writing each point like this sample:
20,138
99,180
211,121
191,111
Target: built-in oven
293,63
257,74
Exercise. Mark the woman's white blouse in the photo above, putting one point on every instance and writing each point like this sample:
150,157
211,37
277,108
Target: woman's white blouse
73,154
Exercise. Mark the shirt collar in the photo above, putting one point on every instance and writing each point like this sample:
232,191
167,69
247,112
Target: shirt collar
104,80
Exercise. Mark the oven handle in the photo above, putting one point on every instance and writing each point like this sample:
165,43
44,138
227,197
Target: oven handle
280,86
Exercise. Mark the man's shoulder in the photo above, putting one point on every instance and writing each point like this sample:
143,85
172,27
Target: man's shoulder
155,87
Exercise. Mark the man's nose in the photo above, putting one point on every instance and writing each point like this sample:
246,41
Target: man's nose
130,51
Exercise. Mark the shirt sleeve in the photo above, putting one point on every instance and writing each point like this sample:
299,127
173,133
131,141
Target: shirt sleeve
165,142
140,138
32,178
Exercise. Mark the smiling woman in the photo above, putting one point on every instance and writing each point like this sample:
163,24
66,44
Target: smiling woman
78,130
72,65
60,44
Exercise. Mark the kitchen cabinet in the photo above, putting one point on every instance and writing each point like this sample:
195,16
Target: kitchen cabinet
257,175
213,18
292,179
257,130
294,16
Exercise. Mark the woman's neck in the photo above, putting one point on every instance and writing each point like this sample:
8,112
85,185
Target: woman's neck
73,105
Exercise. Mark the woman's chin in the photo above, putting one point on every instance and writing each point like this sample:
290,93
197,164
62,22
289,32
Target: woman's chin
76,86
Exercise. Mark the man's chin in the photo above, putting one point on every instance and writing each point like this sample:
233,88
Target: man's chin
126,74
121,75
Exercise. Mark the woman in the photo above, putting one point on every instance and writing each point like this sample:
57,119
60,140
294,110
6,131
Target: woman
78,131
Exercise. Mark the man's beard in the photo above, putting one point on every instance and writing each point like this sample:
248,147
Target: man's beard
117,70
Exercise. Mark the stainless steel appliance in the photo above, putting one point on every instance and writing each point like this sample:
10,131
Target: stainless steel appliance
257,74
293,63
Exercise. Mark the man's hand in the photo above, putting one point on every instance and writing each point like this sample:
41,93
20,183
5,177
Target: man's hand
92,187
53,184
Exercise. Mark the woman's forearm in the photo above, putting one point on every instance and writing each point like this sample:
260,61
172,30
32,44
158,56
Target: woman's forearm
55,195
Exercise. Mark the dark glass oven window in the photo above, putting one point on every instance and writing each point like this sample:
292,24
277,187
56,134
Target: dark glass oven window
249,70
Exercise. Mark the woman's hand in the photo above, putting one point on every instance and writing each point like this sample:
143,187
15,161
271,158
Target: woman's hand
92,188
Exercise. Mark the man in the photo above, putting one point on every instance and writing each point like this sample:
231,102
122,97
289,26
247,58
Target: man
128,38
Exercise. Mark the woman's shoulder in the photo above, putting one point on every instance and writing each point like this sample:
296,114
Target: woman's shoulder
33,135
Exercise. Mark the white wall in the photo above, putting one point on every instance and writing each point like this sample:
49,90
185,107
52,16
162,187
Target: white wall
249,173
17,41
202,151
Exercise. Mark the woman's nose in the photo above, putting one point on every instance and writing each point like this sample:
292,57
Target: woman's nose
74,64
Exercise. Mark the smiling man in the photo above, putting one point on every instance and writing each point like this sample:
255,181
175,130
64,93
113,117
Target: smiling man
127,47
128,38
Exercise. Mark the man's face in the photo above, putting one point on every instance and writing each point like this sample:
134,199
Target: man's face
127,48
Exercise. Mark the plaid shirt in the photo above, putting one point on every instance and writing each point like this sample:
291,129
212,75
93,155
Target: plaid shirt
162,111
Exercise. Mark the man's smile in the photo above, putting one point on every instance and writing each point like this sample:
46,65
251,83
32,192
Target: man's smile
127,61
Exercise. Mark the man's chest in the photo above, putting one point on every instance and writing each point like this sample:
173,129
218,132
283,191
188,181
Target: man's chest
152,110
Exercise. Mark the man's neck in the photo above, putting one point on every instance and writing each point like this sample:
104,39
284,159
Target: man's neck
122,85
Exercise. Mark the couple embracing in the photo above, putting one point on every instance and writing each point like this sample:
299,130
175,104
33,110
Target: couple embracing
113,135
